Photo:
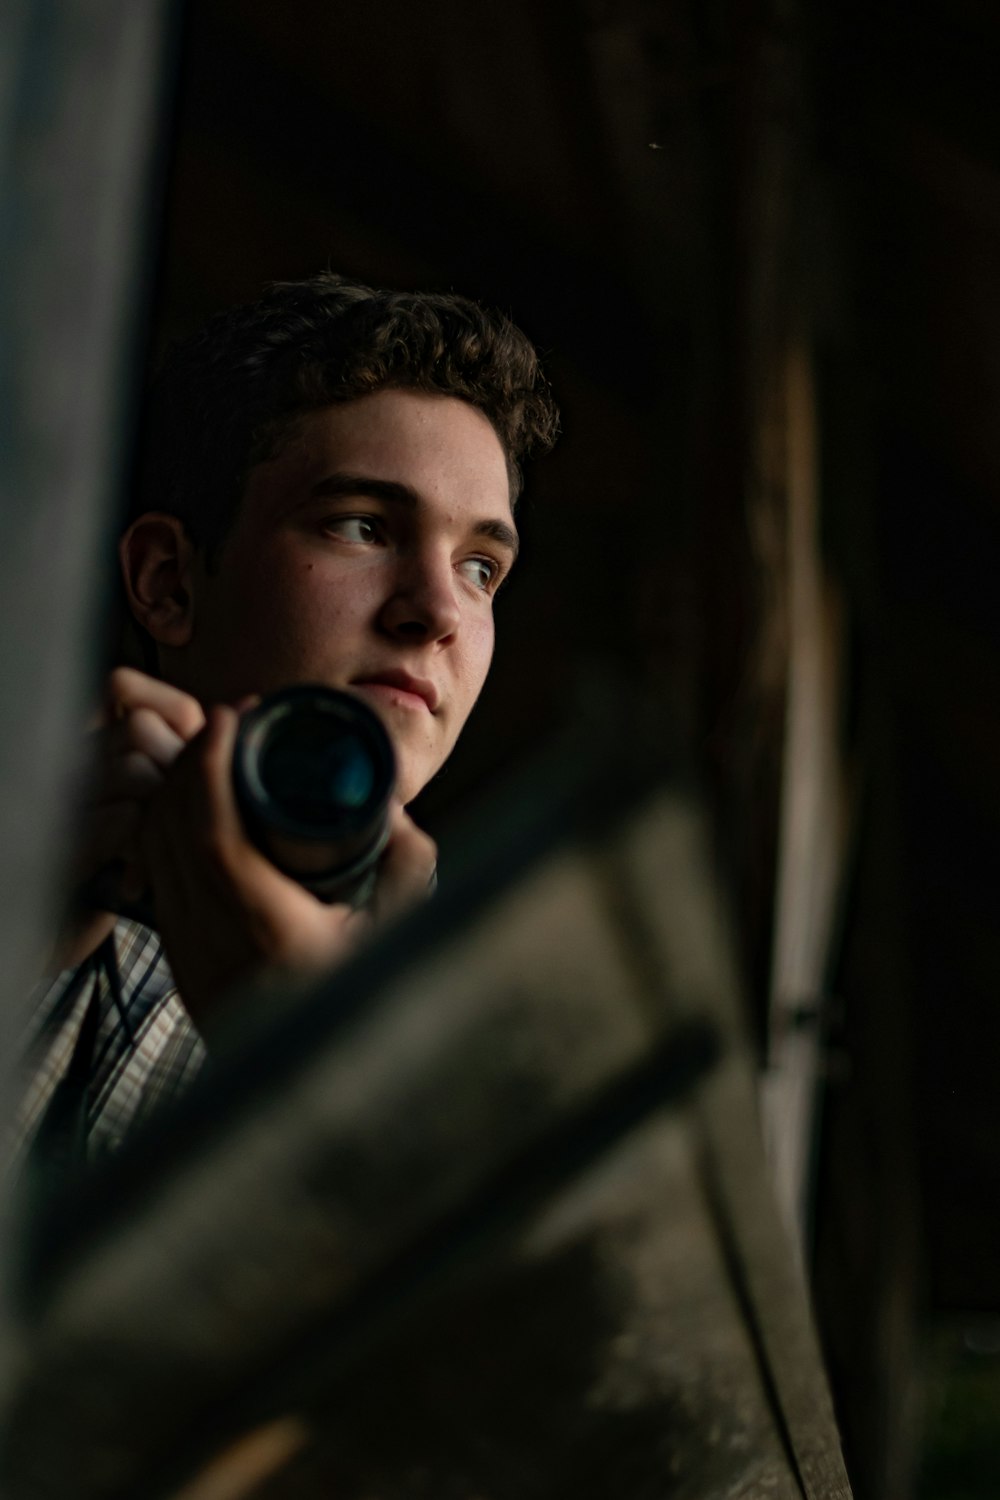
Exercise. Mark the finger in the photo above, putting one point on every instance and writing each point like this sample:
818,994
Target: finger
175,840
129,689
350,927
222,907
195,820
130,776
218,744
407,870
145,730
130,757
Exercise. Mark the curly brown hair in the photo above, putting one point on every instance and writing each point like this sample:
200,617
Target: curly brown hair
228,398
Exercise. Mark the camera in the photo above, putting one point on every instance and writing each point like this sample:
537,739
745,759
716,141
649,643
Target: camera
313,773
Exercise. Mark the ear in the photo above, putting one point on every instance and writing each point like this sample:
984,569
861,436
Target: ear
156,556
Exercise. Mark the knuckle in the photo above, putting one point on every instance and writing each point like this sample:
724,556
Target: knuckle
189,717
141,727
275,937
419,847
428,847
278,945
121,682
137,773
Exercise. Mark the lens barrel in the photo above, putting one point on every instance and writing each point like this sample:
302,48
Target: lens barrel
314,772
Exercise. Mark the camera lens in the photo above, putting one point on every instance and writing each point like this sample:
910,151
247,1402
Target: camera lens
314,772
313,775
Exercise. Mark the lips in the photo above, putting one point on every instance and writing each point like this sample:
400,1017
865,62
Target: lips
404,684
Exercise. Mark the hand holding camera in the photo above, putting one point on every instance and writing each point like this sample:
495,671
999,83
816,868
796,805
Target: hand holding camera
142,727
266,841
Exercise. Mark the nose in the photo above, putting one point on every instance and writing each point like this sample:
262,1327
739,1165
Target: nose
423,606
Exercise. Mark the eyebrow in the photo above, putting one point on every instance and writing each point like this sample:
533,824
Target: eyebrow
337,486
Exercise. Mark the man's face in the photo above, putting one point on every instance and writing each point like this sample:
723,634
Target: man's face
365,557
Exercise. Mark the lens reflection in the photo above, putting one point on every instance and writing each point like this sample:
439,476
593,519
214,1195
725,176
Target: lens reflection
319,772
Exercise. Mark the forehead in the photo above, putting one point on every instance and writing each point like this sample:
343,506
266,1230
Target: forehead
442,448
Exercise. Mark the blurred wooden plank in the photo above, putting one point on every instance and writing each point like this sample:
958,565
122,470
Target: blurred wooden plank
421,1242
814,812
81,91
603,1352
686,935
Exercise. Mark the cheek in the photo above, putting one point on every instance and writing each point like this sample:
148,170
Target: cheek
481,640
470,676
304,598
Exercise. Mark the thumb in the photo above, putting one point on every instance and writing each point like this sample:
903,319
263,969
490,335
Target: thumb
408,868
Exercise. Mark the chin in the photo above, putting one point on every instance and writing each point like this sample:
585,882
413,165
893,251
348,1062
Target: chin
407,790
411,780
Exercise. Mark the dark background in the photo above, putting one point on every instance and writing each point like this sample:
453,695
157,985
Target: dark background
658,194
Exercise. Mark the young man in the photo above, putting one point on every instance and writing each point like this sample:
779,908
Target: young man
326,497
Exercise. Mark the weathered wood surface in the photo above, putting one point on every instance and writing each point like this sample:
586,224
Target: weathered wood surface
604,1354
691,956
394,1239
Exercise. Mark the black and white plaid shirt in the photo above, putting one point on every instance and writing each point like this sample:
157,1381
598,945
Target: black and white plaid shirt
119,1013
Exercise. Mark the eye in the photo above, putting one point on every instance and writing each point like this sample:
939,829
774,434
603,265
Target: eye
481,572
353,528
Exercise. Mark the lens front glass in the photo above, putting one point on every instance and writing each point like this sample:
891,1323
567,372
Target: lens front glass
318,770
